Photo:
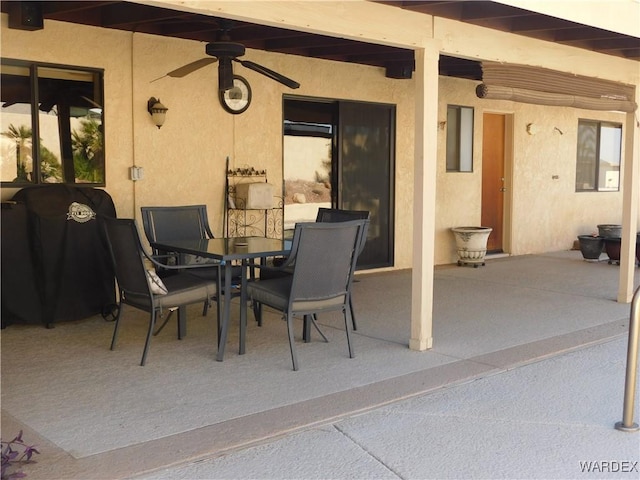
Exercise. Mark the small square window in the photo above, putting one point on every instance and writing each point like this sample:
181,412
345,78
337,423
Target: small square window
459,139
598,156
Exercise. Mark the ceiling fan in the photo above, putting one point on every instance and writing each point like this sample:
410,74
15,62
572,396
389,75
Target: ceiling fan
225,52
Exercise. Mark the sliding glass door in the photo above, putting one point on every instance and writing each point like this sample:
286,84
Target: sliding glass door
341,154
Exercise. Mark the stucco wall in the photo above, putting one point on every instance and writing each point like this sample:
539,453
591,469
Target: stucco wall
78,45
184,161
546,212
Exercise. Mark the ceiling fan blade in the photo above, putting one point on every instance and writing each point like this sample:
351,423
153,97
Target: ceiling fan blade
268,73
189,68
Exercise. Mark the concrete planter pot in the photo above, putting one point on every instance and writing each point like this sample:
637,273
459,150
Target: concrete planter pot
471,244
591,247
609,230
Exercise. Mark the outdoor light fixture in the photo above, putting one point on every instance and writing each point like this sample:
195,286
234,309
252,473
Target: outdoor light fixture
533,129
157,111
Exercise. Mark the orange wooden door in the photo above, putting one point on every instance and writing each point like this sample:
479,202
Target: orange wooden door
493,175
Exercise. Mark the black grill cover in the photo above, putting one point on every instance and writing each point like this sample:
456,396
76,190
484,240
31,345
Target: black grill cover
69,256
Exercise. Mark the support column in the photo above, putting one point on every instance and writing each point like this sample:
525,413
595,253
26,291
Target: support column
630,199
424,197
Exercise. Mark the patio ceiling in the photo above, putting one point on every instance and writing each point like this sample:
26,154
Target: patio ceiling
398,62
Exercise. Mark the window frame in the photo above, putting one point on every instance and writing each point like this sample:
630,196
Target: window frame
36,152
598,124
463,140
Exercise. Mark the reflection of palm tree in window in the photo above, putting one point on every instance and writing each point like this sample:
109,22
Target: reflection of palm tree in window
50,168
88,151
22,137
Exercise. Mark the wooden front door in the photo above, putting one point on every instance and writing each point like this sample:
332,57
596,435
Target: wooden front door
493,178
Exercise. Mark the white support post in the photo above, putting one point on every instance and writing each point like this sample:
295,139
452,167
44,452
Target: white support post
630,199
424,195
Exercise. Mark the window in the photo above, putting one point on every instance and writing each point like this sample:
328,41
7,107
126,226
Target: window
51,128
459,139
598,158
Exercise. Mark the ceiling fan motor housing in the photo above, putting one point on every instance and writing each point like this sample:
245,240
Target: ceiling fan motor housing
225,49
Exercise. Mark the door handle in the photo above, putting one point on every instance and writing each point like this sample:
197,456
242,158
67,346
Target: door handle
503,189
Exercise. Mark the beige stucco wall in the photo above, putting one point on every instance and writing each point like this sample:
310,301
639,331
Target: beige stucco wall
96,48
184,162
546,213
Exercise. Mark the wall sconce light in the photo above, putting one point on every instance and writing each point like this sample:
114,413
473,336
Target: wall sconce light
157,111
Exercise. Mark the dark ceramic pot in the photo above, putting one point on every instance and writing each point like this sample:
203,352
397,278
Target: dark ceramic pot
612,247
591,247
610,230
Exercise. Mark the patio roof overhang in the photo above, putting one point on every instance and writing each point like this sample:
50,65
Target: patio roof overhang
161,19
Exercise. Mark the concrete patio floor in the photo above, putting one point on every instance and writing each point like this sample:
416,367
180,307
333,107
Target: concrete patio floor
96,414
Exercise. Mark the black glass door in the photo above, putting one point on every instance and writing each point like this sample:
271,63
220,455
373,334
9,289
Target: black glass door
353,167
366,151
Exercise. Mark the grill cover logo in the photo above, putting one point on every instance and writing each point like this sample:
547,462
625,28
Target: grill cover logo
80,213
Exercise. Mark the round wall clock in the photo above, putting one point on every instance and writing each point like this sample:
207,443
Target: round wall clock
238,98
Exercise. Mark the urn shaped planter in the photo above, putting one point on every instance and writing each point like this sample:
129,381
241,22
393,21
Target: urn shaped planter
591,247
471,244
610,230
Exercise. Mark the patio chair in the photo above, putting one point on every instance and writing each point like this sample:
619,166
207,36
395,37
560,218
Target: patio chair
136,285
323,256
325,215
339,215
175,223
185,222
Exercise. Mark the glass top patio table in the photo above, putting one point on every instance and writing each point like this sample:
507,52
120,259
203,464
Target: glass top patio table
232,248
228,250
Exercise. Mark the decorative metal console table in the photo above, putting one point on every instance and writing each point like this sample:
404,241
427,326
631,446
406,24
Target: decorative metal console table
243,218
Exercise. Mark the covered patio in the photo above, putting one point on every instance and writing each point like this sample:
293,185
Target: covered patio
97,414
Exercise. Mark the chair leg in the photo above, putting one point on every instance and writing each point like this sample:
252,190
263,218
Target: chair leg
294,357
347,314
257,312
164,323
152,324
117,326
353,315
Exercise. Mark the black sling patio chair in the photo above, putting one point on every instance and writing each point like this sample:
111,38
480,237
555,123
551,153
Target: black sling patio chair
339,215
136,285
323,256
324,215
186,222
